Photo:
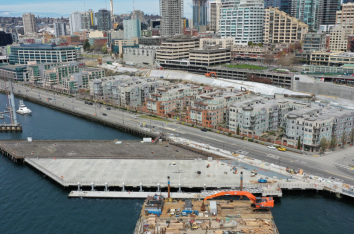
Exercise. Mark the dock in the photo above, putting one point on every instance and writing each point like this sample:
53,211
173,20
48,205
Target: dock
128,194
10,128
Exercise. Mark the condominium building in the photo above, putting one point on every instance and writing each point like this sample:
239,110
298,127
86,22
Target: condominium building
242,20
29,23
338,39
279,27
176,49
80,80
42,53
59,29
309,12
103,18
132,28
345,16
209,56
75,21
13,72
215,15
210,109
317,122
256,116
171,12
314,41
222,42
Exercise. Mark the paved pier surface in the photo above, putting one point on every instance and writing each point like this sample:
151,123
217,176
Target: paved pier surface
114,194
149,173
99,149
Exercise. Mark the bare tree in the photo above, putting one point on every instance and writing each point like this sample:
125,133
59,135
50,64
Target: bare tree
352,136
268,59
343,139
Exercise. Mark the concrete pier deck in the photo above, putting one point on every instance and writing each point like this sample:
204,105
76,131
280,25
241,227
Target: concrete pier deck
116,194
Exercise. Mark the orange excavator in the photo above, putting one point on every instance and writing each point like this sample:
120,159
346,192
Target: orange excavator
259,203
211,73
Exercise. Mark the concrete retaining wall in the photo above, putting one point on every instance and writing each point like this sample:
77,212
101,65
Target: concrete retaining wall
329,89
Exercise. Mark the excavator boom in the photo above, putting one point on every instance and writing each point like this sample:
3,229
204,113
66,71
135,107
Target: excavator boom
264,202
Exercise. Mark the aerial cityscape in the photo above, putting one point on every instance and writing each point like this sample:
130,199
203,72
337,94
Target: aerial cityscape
177,116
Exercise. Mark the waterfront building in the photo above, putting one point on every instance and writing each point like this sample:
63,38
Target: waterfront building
13,72
171,12
242,20
29,23
75,21
42,53
279,27
71,83
132,28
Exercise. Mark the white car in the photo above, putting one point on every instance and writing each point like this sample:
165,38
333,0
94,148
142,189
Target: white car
271,147
134,116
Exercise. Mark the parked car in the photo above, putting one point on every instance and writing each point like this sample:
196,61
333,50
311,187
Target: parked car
261,180
104,114
90,103
134,116
204,130
108,108
271,147
86,102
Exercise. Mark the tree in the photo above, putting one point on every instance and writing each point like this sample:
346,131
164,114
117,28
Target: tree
87,45
343,139
299,142
333,143
238,129
323,144
104,49
352,136
250,43
268,58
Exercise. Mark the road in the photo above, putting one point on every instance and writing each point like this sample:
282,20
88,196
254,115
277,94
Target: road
335,164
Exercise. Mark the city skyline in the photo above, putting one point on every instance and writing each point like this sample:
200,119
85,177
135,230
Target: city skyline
55,8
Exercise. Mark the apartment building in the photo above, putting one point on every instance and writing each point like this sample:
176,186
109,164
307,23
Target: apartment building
344,17
338,39
29,23
13,72
329,11
221,42
258,115
171,12
279,27
313,41
176,49
209,56
42,53
210,109
132,28
59,29
215,15
335,58
242,20
171,100
317,122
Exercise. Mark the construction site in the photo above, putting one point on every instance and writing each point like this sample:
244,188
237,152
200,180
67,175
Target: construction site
161,215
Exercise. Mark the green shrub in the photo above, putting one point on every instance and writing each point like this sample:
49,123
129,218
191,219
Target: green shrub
250,140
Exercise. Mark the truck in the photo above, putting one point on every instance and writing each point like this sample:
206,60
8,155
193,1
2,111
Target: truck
172,212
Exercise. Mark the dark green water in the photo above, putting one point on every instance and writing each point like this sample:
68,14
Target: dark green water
32,203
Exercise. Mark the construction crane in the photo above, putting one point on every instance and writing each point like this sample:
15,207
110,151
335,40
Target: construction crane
259,203
112,13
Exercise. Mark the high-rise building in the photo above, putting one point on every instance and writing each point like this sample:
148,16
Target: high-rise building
279,27
272,3
5,38
338,39
29,23
75,20
329,10
137,14
215,15
132,28
103,18
288,6
242,20
59,29
171,12
200,9
345,16
309,12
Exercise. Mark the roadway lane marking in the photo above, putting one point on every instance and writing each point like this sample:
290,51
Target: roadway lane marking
339,175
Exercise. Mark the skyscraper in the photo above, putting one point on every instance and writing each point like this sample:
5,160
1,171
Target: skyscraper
103,18
309,12
272,3
200,10
215,15
132,28
288,6
75,20
329,10
29,23
171,12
